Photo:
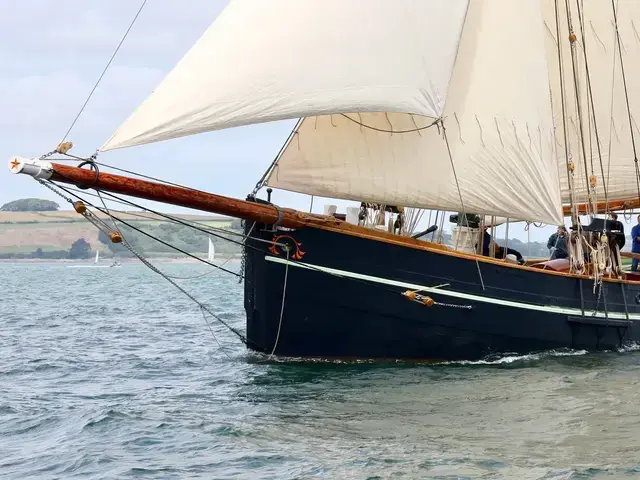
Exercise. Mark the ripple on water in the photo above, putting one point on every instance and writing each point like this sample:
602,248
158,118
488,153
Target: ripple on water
126,381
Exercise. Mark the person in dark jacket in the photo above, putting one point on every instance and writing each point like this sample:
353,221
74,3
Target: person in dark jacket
551,243
635,244
558,244
617,227
499,251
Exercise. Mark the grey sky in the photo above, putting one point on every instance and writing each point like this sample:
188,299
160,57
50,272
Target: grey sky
52,53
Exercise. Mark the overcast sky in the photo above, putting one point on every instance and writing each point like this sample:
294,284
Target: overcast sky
51,55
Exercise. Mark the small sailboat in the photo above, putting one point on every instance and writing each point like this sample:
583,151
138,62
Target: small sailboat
95,264
211,252
506,110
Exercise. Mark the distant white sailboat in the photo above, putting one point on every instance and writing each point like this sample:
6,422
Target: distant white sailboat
95,263
212,251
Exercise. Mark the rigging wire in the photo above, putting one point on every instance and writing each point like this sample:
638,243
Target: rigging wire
169,220
305,265
207,230
104,71
455,176
130,172
626,94
576,87
52,186
574,215
194,225
284,293
114,218
592,106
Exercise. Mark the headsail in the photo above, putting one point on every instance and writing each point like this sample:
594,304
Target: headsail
382,66
270,60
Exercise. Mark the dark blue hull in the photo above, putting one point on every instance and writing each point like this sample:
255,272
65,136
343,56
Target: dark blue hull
344,299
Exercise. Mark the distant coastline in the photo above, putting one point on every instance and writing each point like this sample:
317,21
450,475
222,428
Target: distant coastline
107,261
63,236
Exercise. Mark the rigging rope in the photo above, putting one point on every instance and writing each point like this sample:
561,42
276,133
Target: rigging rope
104,71
455,176
382,130
284,293
576,86
626,94
52,186
592,106
574,215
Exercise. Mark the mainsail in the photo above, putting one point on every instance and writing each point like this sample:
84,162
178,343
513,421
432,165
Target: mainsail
448,104
602,132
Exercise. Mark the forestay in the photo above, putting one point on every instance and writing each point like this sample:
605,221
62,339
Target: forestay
370,77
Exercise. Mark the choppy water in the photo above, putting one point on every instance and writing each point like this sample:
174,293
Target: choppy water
111,373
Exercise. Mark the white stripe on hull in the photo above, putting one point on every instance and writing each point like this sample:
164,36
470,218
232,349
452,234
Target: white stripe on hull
450,293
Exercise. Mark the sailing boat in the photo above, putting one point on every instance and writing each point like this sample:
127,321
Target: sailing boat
500,110
211,252
94,265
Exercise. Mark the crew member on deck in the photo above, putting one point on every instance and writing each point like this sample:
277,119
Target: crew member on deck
499,251
617,227
551,243
635,244
559,248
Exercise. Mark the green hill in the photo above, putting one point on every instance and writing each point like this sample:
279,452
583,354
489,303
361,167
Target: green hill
50,234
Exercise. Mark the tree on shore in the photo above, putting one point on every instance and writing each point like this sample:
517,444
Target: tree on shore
30,205
80,249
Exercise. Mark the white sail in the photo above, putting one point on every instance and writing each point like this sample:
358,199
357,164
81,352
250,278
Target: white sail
277,59
97,256
212,251
596,21
500,139
361,69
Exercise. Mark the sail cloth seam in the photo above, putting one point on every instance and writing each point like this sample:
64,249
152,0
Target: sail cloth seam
113,56
449,293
